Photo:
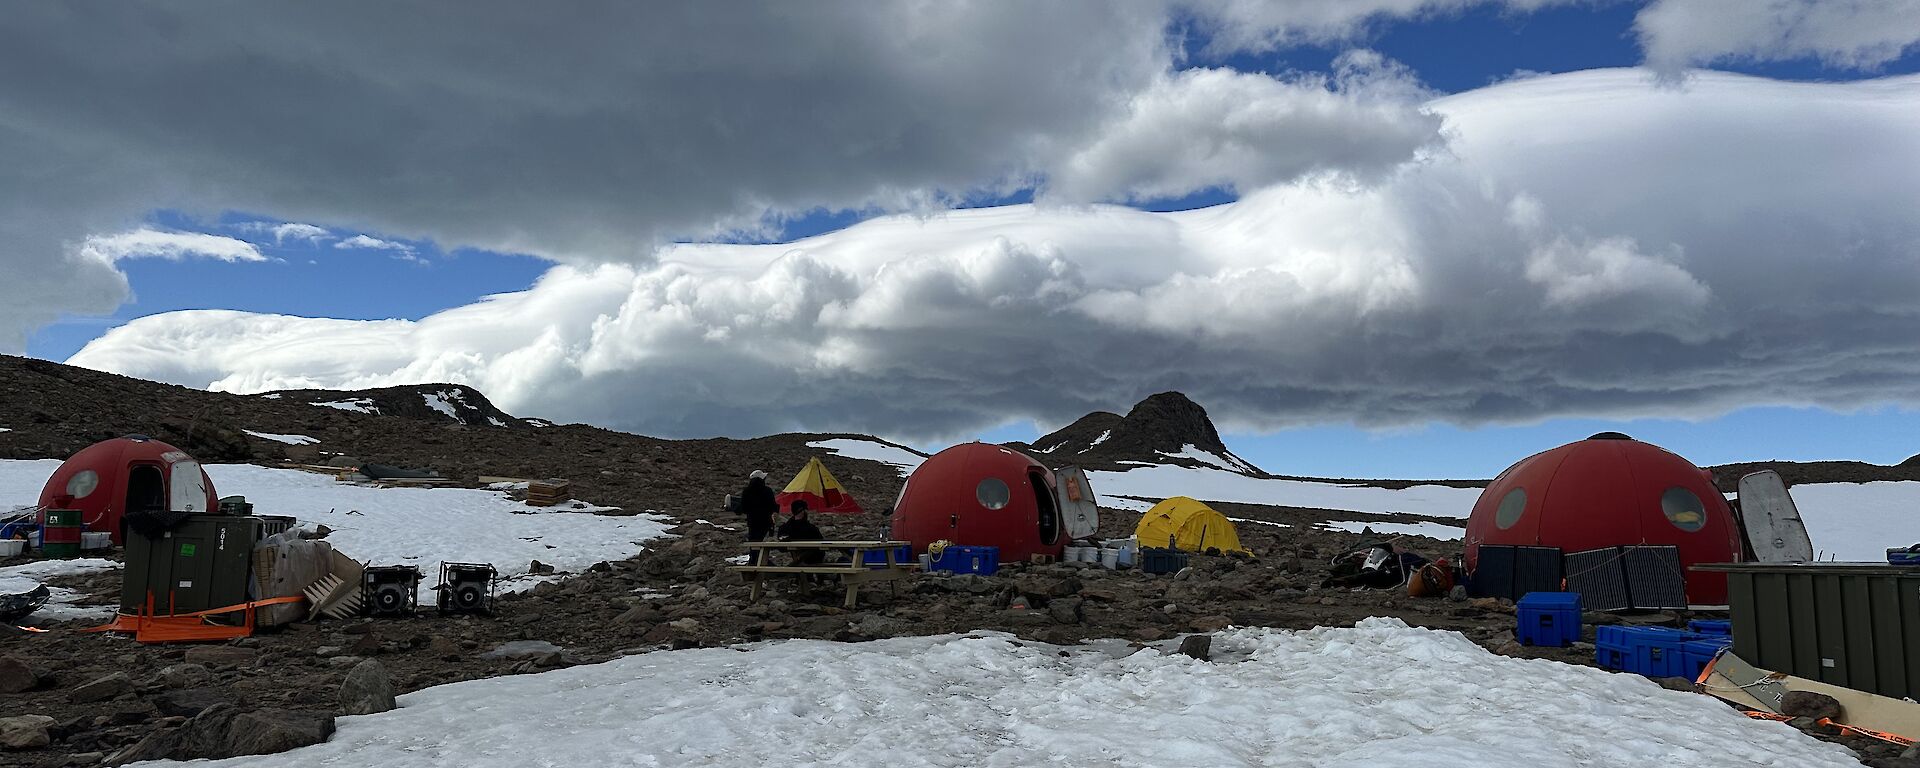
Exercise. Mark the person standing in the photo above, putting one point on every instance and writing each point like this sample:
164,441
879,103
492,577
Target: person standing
758,504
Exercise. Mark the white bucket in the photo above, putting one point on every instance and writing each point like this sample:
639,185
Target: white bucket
96,540
12,547
1089,554
1109,558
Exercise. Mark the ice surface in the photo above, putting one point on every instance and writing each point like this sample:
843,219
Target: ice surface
1378,693
1859,521
288,439
438,402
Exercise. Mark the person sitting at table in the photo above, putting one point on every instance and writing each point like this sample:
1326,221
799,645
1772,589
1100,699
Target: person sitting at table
799,528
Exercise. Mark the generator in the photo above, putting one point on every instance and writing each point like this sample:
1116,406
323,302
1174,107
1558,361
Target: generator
201,563
466,588
390,590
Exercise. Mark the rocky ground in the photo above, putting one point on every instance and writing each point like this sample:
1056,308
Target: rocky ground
68,698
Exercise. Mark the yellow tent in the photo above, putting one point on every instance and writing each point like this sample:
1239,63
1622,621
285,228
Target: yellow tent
1189,525
819,489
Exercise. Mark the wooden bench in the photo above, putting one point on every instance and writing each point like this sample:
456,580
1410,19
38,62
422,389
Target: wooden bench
853,573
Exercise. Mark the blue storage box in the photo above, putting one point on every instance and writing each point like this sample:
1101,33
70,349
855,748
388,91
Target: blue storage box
1548,618
1696,654
1903,556
877,558
1650,651
1720,627
981,560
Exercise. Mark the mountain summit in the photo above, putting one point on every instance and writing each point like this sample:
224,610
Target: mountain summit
1167,428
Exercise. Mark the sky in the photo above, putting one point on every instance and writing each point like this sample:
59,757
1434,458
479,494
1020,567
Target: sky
1386,238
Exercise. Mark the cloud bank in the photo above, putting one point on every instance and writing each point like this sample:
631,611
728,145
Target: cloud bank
1589,243
1678,34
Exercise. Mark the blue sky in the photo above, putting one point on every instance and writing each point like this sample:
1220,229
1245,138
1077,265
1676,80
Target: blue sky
1449,53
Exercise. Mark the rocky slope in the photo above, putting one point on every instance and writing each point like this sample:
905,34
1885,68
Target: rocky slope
441,403
1166,428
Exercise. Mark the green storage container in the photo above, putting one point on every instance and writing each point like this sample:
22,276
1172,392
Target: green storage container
64,517
1855,625
205,562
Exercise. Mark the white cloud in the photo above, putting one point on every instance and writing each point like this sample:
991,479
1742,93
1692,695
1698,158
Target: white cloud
400,251
172,246
1861,34
1205,128
297,231
1262,25
1585,244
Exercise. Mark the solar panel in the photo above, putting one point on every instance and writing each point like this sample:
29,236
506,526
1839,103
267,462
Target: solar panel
1655,579
1600,578
1493,572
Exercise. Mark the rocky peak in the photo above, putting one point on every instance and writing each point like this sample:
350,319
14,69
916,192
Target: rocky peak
450,403
1167,428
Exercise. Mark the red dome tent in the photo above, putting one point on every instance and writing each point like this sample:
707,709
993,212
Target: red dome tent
107,479
985,495
1608,491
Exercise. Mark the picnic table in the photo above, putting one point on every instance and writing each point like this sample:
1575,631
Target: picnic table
853,573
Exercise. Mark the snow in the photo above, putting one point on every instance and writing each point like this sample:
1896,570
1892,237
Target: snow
426,526
1439,531
1098,440
62,604
871,450
1209,484
357,405
270,396
1121,502
5,429
1229,462
495,421
439,403
1377,693
1259,522
1859,521
288,439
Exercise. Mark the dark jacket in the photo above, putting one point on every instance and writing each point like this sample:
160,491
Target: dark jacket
800,530
758,504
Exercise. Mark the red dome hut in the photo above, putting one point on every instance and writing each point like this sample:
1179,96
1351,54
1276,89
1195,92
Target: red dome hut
1610,490
984,495
108,479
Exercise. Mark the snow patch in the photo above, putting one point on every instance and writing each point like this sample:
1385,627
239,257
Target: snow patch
5,429
900,458
438,402
1439,531
426,526
270,396
62,604
1859,521
356,405
1260,522
1216,484
1372,694
1121,502
287,439
1098,440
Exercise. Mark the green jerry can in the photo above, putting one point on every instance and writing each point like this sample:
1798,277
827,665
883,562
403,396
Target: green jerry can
203,563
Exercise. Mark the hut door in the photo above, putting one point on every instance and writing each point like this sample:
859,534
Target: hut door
1044,504
1078,510
186,491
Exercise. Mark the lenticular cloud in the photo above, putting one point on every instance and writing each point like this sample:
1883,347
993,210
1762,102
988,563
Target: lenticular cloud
1590,244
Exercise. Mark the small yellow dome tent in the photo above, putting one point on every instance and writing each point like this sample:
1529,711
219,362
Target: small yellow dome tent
1189,525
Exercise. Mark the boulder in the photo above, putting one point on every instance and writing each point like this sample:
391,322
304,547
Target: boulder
185,676
16,676
1211,623
25,731
1044,586
101,689
1810,704
267,731
444,648
1197,646
1067,610
1458,594
188,702
367,689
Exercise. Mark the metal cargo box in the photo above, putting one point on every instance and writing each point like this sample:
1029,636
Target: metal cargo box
1855,625
202,563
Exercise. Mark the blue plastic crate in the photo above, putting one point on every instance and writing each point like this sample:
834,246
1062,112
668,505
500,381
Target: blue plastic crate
1548,618
1903,556
955,559
1696,654
877,558
1650,651
1717,627
1161,560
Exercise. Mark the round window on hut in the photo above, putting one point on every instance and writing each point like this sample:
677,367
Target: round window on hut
1511,505
1683,509
82,484
993,493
